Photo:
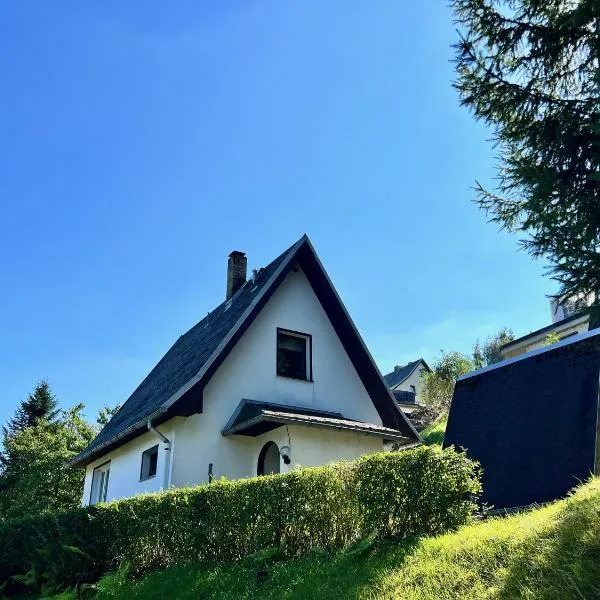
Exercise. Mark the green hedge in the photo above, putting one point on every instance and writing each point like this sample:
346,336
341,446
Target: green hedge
420,491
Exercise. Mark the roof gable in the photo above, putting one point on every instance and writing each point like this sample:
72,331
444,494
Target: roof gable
402,373
175,384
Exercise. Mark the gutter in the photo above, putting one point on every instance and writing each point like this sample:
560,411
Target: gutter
167,443
92,451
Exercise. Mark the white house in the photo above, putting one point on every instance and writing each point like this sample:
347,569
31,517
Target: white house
405,383
276,376
569,318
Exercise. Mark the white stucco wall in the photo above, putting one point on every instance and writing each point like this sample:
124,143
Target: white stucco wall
125,465
250,372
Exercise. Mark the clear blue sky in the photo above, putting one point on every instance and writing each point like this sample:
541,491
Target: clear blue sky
142,142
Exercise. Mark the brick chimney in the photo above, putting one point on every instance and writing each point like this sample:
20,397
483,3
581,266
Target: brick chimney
236,272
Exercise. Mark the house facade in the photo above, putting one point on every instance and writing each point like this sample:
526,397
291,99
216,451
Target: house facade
275,377
405,381
569,318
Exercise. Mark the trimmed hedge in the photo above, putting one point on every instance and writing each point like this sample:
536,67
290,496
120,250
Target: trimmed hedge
420,491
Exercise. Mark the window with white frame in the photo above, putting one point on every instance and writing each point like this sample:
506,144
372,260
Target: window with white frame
100,483
294,354
413,389
149,463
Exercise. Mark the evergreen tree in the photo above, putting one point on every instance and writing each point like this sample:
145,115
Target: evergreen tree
40,405
37,480
530,69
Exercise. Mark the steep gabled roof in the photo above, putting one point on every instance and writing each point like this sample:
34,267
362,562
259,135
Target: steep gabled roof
402,373
174,386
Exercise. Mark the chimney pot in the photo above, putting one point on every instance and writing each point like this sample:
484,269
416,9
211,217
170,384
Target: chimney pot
236,272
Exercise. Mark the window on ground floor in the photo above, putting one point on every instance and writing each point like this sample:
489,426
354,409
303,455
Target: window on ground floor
100,483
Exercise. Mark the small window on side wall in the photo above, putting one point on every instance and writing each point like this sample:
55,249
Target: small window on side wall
149,463
413,389
294,354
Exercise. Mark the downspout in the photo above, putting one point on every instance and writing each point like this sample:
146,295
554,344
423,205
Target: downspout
167,442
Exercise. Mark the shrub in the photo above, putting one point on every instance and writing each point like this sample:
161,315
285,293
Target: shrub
420,491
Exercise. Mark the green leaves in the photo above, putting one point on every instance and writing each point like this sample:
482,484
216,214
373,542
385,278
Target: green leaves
397,494
35,479
438,386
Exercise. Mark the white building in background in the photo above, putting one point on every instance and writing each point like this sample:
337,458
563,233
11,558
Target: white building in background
275,377
569,317
405,381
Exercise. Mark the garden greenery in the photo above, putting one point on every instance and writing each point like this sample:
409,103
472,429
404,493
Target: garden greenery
421,491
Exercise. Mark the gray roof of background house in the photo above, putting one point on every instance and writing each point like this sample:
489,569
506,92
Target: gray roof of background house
401,373
194,356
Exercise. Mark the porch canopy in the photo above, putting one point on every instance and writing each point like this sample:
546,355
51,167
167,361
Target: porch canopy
253,418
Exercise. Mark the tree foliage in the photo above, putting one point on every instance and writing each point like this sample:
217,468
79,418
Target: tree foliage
106,413
490,352
40,405
37,444
530,70
438,386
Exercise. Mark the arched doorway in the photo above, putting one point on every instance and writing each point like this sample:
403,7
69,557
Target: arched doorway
268,459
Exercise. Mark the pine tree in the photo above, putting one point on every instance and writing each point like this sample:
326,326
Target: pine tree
530,69
40,405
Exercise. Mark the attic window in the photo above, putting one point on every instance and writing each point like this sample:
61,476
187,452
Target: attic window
294,354
413,389
149,463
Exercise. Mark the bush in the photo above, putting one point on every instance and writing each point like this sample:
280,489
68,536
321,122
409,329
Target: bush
420,491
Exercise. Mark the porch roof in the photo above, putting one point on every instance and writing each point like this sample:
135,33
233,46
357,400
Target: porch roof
253,418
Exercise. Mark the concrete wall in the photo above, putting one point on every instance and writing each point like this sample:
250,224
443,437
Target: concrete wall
250,372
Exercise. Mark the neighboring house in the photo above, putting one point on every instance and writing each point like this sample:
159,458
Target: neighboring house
276,376
568,319
532,421
405,383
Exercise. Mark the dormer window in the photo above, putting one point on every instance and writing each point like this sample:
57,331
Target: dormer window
294,350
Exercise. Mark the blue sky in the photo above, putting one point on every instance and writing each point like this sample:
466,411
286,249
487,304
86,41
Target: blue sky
141,143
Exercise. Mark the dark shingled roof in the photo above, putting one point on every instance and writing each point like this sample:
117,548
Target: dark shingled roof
531,421
185,358
400,373
171,387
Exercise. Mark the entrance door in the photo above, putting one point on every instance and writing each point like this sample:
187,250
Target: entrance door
269,459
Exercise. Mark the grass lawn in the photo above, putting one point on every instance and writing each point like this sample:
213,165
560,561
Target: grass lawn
549,553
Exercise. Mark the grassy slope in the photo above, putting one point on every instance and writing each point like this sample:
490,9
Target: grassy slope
434,434
548,553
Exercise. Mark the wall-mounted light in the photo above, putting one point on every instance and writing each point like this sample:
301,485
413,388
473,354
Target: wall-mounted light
285,454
